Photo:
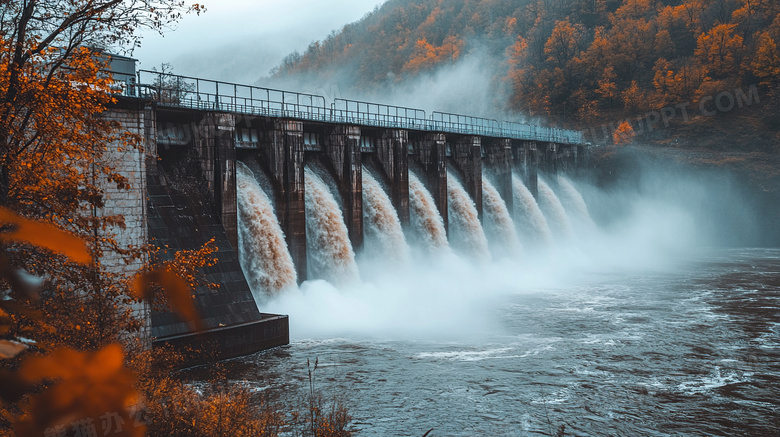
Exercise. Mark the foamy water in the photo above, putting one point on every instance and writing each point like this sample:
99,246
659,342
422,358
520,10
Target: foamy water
427,224
529,219
466,231
616,354
329,251
499,226
575,205
555,213
382,229
263,253
624,335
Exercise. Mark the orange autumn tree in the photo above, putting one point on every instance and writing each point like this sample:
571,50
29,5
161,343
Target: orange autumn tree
564,43
53,139
624,134
427,55
57,295
766,64
570,61
719,51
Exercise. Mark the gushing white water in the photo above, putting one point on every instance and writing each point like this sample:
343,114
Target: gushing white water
498,222
330,254
574,203
528,217
263,253
553,209
465,229
382,231
444,295
427,224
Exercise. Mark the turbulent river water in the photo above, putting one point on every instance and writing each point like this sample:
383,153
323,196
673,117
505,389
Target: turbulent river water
687,349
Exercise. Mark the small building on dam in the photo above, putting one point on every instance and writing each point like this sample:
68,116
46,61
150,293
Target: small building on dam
195,132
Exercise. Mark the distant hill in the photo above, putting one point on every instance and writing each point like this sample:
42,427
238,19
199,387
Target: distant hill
577,63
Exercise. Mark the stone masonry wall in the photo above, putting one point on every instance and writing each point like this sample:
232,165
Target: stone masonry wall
130,202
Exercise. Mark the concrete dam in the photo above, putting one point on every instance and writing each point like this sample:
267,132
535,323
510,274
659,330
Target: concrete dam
294,186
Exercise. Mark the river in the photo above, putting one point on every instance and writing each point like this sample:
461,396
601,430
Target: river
689,348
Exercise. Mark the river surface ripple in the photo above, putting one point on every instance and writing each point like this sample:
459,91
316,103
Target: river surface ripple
691,352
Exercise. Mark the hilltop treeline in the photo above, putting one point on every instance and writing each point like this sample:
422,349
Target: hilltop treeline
571,61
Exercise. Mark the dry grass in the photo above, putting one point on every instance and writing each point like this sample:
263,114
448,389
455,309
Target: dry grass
218,407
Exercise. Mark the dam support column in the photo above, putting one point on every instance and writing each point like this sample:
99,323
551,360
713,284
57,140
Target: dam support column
225,174
284,152
393,154
526,159
431,154
564,158
467,155
579,157
498,160
342,145
551,158
212,141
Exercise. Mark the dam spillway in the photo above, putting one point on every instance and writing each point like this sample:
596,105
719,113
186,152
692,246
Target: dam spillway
384,172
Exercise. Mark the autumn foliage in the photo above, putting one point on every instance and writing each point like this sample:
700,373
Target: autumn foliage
75,356
427,55
64,315
624,134
569,61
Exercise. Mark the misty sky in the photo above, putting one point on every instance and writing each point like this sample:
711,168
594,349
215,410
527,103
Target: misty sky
241,40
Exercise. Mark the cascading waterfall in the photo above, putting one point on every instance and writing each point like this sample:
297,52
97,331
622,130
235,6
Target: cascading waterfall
529,218
263,252
466,231
498,222
553,209
427,223
574,203
330,254
382,229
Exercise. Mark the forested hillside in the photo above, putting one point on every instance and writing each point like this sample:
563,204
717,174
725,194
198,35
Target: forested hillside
579,63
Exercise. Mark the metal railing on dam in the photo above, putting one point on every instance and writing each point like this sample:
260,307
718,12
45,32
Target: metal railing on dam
204,94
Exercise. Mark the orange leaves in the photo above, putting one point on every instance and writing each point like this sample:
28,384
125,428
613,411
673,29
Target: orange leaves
624,134
177,278
564,43
432,17
690,12
426,55
91,390
43,235
634,98
607,88
766,63
197,8
510,25
176,290
52,131
720,50
517,52
54,138
634,10
68,364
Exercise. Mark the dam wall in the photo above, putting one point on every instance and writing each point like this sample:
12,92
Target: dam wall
184,184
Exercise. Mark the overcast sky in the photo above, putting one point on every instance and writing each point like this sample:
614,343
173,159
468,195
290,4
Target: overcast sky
241,40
